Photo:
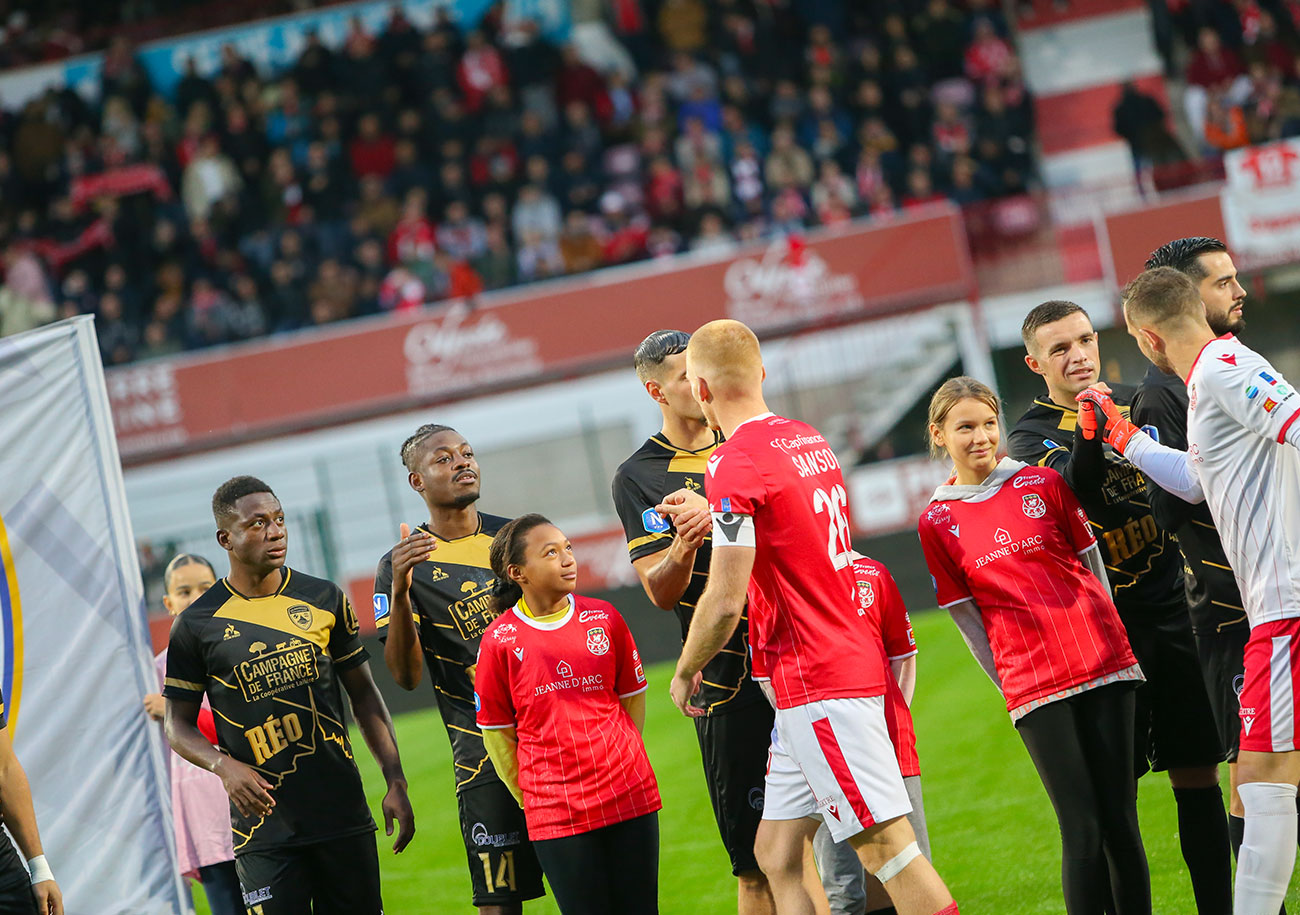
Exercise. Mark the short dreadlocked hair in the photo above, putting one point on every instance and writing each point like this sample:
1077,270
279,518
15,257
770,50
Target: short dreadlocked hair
1184,255
657,347
411,446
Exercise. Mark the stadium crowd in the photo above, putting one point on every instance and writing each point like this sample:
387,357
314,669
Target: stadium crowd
413,166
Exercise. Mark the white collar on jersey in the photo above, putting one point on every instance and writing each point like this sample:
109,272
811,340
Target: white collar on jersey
1006,469
752,419
555,624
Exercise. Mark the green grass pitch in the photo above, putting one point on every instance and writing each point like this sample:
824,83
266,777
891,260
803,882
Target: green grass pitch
994,835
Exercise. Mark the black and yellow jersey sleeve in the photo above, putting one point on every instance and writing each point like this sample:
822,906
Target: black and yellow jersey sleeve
269,666
655,470
451,599
1142,559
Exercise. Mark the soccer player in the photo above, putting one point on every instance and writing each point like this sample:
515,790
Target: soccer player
1174,720
433,597
270,646
736,728
781,533
25,889
200,807
881,606
1243,429
1016,564
561,697
1213,599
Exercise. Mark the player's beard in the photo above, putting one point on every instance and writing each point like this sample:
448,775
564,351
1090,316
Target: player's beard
466,499
1226,323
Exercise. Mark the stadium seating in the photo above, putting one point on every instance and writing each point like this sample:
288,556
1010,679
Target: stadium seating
409,165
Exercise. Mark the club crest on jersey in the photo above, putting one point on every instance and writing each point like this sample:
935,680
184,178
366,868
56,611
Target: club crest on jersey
866,597
381,606
1001,536
597,641
653,522
300,616
1032,505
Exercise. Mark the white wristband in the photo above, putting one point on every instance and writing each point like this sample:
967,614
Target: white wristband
39,869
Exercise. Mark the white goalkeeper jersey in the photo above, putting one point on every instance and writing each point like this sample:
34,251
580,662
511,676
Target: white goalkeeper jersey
1243,440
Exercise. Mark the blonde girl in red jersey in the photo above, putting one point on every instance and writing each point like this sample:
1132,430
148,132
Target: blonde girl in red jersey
1015,563
560,693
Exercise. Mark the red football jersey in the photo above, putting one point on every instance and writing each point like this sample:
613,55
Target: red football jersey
582,763
1051,624
881,606
803,619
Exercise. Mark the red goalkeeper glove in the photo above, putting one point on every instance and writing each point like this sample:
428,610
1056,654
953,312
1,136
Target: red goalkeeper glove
1118,430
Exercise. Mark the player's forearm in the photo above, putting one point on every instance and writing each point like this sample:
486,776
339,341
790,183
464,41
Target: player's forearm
1169,469
1085,469
668,580
402,645
904,671
502,745
635,708
16,809
374,722
712,626
187,740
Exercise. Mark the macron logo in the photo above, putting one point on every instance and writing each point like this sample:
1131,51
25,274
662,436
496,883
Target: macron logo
955,530
1247,722
519,653
713,463
1230,358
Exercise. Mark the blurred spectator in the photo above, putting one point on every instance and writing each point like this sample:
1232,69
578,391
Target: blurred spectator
373,151
461,236
788,166
579,247
25,300
536,214
209,177
1212,69
1225,125
481,69
833,195
1141,121
683,25
412,242
539,256
987,54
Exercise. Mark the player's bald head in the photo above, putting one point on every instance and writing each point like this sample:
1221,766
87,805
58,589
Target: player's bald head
1164,298
726,355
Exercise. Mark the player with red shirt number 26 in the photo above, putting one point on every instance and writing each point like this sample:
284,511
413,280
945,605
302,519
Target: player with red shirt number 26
1015,563
781,536
560,693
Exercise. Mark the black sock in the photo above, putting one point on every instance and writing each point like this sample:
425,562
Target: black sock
889,911
1204,835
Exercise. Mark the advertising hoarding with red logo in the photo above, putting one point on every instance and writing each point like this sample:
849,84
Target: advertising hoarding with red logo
373,366
1261,201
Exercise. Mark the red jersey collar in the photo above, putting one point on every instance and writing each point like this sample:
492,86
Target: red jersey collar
1188,379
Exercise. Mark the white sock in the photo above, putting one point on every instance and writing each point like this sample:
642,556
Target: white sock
1268,848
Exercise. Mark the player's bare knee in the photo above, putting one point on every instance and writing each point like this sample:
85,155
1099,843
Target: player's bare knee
778,859
882,842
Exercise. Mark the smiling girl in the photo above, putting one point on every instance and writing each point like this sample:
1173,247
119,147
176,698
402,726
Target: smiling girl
560,692
1015,563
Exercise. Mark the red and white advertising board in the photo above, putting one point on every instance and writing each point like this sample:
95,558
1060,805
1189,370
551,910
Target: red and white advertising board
379,365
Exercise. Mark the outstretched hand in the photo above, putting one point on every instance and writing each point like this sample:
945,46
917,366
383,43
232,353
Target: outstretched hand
1118,430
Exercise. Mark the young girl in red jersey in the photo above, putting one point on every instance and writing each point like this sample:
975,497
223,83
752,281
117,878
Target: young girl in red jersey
1015,563
560,693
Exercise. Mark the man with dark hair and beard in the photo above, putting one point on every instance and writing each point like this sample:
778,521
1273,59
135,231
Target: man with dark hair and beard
433,602
1213,599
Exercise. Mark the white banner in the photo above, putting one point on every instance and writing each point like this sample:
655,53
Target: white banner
1261,201
75,658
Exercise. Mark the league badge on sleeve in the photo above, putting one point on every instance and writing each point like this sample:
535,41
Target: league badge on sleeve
1033,505
381,607
654,522
1153,432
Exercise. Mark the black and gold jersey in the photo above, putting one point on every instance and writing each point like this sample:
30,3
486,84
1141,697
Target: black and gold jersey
451,596
1213,597
270,666
656,469
1142,559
